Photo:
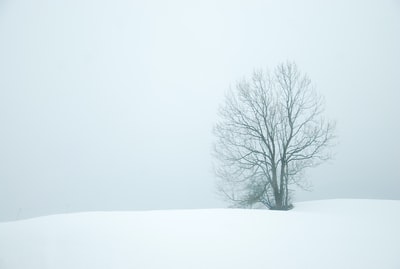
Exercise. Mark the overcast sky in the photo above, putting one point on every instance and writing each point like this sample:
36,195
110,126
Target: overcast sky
109,105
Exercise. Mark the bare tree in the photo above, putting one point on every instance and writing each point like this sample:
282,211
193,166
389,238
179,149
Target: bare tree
270,129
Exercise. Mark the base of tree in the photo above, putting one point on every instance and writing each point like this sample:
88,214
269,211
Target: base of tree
283,208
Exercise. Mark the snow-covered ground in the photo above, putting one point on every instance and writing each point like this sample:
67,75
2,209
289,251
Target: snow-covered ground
319,234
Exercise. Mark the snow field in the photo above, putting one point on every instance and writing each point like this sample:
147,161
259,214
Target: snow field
319,234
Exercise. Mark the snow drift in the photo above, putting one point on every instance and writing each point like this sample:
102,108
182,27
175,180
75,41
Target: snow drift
320,234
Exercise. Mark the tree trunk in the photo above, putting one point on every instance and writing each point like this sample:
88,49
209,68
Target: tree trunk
278,200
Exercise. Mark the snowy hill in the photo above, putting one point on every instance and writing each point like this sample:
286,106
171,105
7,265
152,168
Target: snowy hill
320,234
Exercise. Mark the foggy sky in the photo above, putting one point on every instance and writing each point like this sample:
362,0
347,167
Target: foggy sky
109,105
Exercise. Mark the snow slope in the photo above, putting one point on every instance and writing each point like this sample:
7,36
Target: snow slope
319,234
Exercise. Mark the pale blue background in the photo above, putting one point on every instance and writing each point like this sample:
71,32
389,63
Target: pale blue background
109,105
